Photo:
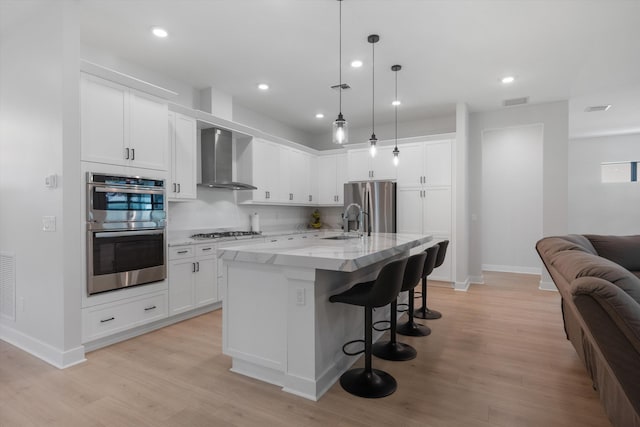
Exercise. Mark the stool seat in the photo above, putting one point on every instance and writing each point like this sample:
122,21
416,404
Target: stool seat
369,382
392,349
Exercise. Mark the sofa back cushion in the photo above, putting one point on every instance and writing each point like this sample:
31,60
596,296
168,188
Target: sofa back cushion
572,264
623,250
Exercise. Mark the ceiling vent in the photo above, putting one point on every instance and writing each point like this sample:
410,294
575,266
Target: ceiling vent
595,108
344,86
515,101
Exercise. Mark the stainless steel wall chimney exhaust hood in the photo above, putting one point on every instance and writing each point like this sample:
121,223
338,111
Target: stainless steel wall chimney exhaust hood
217,160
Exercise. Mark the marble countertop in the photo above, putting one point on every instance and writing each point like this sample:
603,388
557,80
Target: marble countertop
326,254
183,238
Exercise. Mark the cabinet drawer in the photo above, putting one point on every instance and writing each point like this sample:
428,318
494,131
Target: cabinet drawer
104,320
180,252
206,250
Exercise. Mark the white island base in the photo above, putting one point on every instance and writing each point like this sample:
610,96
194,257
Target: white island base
278,323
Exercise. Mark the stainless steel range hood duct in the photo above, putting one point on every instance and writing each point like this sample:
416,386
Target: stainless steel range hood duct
217,160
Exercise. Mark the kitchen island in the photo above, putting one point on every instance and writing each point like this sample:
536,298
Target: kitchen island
278,324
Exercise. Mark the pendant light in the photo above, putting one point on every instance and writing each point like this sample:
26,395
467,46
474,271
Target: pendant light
373,39
396,68
340,125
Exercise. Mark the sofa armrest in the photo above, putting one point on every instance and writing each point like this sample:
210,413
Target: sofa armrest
623,310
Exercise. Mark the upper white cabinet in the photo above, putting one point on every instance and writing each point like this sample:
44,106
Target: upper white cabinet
425,163
332,174
182,149
122,126
363,167
282,174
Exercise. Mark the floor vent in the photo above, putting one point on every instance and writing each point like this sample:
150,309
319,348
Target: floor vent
515,101
8,286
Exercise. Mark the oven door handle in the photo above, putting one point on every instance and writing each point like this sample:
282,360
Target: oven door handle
103,234
128,190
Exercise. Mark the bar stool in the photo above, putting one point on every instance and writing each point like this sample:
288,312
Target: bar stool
411,328
369,382
424,312
393,350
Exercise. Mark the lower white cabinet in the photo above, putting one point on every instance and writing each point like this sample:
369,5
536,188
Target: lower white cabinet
107,319
193,277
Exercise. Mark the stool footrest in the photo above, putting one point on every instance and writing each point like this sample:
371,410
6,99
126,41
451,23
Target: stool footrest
402,307
352,353
381,329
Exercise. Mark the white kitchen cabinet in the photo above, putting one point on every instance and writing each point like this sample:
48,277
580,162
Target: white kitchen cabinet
363,167
122,126
182,149
102,320
260,166
332,174
424,195
301,177
193,277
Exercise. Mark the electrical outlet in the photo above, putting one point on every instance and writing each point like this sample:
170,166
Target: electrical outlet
300,296
48,223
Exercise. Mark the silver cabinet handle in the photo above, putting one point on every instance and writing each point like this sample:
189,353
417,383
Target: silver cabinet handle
133,154
174,187
310,198
126,156
178,187
182,252
153,307
206,249
108,320
290,196
197,266
193,265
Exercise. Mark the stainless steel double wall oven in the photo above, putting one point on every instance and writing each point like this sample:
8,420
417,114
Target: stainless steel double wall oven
126,221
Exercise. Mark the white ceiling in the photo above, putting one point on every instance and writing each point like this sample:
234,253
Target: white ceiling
451,51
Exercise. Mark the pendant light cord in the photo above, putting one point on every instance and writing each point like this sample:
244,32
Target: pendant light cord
396,110
373,88
340,57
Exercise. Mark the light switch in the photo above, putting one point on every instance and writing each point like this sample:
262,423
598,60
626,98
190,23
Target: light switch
48,223
51,181
300,296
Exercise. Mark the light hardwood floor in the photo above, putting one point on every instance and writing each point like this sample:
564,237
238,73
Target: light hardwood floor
498,357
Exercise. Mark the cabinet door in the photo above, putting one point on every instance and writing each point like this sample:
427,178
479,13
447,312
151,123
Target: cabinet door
341,177
409,210
300,177
327,180
285,175
181,286
359,165
313,180
266,165
411,166
206,281
184,157
437,219
438,163
103,111
148,132
383,167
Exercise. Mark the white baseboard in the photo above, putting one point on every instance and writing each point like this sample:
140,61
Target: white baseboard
477,280
512,269
547,286
53,356
462,286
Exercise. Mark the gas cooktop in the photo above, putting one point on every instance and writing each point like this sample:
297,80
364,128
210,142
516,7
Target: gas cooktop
225,234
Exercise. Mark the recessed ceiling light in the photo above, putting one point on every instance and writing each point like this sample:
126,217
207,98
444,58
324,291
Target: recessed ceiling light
594,108
356,64
159,32
263,86
508,79
319,116
396,102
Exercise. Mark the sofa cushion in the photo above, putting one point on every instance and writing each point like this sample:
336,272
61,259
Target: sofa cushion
623,250
572,264
551,245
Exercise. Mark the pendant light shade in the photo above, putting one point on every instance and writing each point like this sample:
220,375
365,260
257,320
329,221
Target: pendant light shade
396,152
340,125
373,39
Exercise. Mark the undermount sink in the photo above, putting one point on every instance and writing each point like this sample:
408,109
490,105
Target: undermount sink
341,237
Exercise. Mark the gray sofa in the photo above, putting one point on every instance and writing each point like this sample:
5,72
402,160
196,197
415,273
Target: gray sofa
599,280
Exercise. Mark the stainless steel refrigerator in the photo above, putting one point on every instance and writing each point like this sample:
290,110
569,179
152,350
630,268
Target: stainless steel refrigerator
378,201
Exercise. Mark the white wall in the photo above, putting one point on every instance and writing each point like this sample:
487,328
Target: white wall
39,124
461,206
554,117
512,198
594,207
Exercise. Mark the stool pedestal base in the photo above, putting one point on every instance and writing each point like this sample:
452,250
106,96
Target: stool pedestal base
394,351
372,384
425,313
